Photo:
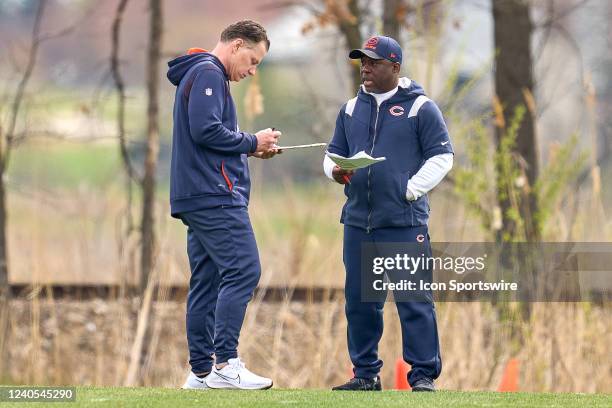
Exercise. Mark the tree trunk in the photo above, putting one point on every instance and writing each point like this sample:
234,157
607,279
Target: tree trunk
514,86
152,144
7,139
350,30
391,26
5,291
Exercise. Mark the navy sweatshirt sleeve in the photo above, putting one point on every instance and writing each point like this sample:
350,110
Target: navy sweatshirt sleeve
339,144
432,131
207,98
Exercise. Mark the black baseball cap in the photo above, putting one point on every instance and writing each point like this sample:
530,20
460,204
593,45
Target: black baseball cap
379,47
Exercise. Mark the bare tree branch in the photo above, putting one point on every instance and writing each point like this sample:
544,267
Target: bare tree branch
35,42
553,18
120,87
147,226
11,58
21,87
350,30
391,13
311,7
70,28
571,41
550,7
5,149
61,33
121,97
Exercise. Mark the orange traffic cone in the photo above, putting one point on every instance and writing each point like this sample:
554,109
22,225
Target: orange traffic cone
510,379
401,375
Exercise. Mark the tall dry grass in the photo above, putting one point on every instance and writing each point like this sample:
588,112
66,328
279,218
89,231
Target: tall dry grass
303,345
562,347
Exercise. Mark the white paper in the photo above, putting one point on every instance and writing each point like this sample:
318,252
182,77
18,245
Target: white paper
357,161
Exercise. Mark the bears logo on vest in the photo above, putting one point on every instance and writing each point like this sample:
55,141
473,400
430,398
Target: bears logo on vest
396,110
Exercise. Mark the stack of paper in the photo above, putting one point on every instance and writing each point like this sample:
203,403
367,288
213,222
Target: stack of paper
357,161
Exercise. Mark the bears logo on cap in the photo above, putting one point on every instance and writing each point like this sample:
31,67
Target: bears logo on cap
371,43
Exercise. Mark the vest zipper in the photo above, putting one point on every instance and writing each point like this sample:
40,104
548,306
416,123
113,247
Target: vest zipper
369,227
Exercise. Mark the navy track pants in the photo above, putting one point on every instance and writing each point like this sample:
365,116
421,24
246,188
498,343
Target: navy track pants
225,270
365,319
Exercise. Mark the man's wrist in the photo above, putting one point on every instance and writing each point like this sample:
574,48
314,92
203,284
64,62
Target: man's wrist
253,144
328,167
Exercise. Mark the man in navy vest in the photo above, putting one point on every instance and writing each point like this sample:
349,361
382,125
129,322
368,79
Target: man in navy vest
387,203
209,192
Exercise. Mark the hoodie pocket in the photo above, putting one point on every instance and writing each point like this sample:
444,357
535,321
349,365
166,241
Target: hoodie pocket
407,205
229,183
404,177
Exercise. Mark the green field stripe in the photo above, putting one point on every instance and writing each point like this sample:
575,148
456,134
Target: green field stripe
164,397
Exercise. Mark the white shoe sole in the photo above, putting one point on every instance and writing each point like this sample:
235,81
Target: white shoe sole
224,384
189,387
195,385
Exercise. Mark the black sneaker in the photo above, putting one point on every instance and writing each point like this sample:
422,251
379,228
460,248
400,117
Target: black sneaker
423,384
360,384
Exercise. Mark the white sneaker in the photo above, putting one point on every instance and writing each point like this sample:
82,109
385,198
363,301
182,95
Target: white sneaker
194,382
236,375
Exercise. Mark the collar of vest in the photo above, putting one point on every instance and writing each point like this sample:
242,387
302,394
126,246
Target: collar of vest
407,89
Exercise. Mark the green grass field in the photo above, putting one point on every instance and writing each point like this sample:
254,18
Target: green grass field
163,397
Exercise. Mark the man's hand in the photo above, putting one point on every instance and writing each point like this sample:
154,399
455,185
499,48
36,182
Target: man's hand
342,176
266,155
266,141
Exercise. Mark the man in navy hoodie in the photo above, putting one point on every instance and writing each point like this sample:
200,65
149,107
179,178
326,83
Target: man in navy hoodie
209,192
387,203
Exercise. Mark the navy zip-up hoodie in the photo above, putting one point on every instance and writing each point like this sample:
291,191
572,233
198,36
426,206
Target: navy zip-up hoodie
407,129
209,166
